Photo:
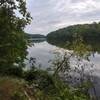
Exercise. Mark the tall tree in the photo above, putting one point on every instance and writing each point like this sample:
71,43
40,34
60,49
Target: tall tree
13,19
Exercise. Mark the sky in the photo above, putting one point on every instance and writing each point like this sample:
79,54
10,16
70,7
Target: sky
50,15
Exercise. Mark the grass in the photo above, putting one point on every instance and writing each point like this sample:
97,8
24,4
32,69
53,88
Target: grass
13,89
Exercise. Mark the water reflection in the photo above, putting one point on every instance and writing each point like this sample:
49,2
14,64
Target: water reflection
44,52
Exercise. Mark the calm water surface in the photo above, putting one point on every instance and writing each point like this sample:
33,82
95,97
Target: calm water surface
44,52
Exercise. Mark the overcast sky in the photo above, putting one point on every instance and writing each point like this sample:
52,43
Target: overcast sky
50,15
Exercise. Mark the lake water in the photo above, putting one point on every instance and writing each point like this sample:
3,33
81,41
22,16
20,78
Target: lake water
44,52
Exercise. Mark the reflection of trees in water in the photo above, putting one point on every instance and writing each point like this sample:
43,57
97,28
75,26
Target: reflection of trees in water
94,44
79,73
37,40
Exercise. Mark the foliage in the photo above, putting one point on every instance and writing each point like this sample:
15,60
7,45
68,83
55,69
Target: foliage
80,48
47,87
12,89
80,72
14,71
19,96
89,33
13,43
40,85
34,35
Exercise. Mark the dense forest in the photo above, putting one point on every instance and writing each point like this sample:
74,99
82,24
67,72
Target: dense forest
35,38
89,33
34,35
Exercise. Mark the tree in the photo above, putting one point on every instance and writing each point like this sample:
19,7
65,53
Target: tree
12,40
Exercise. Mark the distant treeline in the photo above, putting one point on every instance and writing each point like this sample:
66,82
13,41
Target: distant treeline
35,35
89,32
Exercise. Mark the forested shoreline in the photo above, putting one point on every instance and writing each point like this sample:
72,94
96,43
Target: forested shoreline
88,32
16,83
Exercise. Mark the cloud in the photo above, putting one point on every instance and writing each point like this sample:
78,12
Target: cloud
50,15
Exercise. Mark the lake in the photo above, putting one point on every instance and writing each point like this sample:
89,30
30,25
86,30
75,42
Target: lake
44,52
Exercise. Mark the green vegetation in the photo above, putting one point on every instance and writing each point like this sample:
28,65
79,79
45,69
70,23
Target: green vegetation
90,34
35,35
35,38
33,84
38,85
12,89
13,44
49,87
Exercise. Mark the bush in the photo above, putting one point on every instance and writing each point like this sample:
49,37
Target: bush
19,96
11,71
48,87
